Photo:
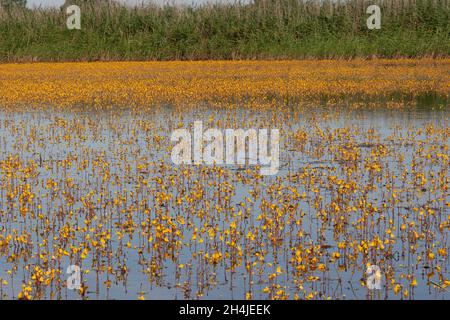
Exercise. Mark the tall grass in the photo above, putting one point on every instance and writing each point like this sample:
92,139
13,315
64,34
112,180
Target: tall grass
270,29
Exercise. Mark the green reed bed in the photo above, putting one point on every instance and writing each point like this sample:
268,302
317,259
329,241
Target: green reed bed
262,29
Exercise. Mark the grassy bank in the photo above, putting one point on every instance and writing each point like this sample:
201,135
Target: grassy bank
268,29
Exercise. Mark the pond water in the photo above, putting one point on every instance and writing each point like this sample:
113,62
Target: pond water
356,187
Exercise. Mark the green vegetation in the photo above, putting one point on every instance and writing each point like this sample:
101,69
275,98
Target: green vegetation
9,4
263,29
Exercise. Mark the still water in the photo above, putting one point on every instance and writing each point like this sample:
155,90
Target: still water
98,190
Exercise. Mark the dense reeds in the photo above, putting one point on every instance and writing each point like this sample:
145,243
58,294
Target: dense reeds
269,29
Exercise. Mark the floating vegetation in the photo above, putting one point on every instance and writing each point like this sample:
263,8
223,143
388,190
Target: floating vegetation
255,83
86,179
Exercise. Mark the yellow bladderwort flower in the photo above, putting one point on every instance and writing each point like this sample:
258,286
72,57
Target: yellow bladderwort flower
100,84
89,187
